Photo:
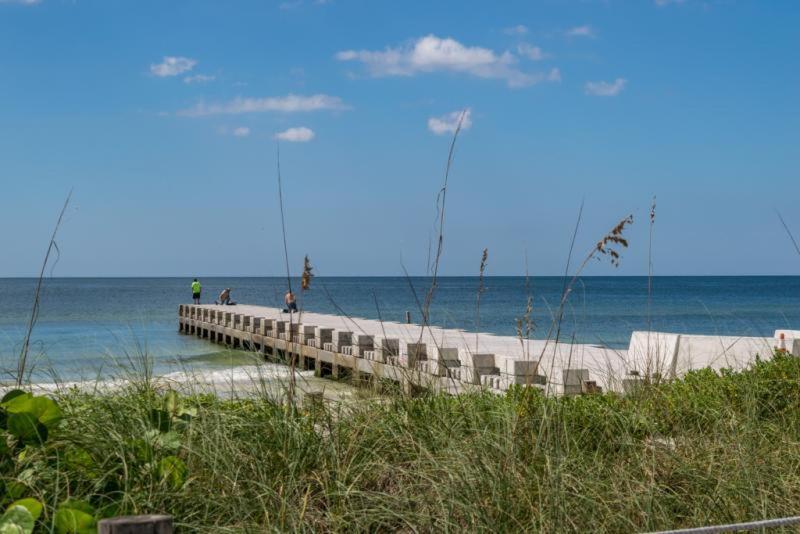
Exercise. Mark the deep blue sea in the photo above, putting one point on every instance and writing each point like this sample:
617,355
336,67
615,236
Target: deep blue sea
87,324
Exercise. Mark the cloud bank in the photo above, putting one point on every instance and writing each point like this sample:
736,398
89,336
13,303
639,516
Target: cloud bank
434,54
290,103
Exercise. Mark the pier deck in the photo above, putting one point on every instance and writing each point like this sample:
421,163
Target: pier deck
453,360
442,359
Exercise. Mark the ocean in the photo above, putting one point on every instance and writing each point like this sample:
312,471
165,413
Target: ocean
87,326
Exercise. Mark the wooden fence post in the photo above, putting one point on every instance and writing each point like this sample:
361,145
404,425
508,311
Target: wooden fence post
136,524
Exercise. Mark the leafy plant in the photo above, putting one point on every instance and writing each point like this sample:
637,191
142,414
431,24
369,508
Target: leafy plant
74,516
27,417
17,520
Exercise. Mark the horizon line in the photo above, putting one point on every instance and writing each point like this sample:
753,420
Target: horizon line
412,276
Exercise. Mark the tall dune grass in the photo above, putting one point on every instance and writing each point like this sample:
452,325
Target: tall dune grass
709,448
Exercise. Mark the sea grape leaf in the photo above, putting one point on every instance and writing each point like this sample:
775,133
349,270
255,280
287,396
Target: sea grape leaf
13,394
17,520
142,449
75,517
26,427
172,470
32,505
15,489
187,412
77,504
169,440
44,409
69,521
172,402
161,420
5,449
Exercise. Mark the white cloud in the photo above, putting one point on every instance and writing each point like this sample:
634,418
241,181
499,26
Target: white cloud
606,88
434,54
23,2
531,52
172,66
554,75
238,131
199,78
300,134
448,123
580,31
519,29
288,104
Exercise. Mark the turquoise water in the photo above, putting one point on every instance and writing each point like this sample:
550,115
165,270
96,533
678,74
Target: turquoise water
86,324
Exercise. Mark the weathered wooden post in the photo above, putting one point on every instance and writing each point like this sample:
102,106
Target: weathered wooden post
408,317
136,524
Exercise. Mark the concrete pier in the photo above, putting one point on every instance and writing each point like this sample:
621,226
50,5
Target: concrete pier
452,360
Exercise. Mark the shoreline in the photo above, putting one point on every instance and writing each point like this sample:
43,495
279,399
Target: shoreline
243,380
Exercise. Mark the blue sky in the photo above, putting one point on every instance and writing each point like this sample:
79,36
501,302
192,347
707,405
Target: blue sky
163,117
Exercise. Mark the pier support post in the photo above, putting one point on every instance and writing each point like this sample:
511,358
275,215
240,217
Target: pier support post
136,524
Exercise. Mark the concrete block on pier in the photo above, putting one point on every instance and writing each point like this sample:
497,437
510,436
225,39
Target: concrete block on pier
590,386
361,343
307,332
632,382
413,353
525,380
469,375
478,360
322,336
660,351
260,326
573,380
476,365
516,367
340,339
278,328
491,381
385,348
442,359
269,327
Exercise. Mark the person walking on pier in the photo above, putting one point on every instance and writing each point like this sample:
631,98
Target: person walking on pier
196,288
291,302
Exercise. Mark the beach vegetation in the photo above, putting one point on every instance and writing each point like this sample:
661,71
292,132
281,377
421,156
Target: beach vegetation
711,447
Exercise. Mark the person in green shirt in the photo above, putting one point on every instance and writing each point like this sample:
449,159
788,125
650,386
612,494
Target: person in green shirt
196,291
